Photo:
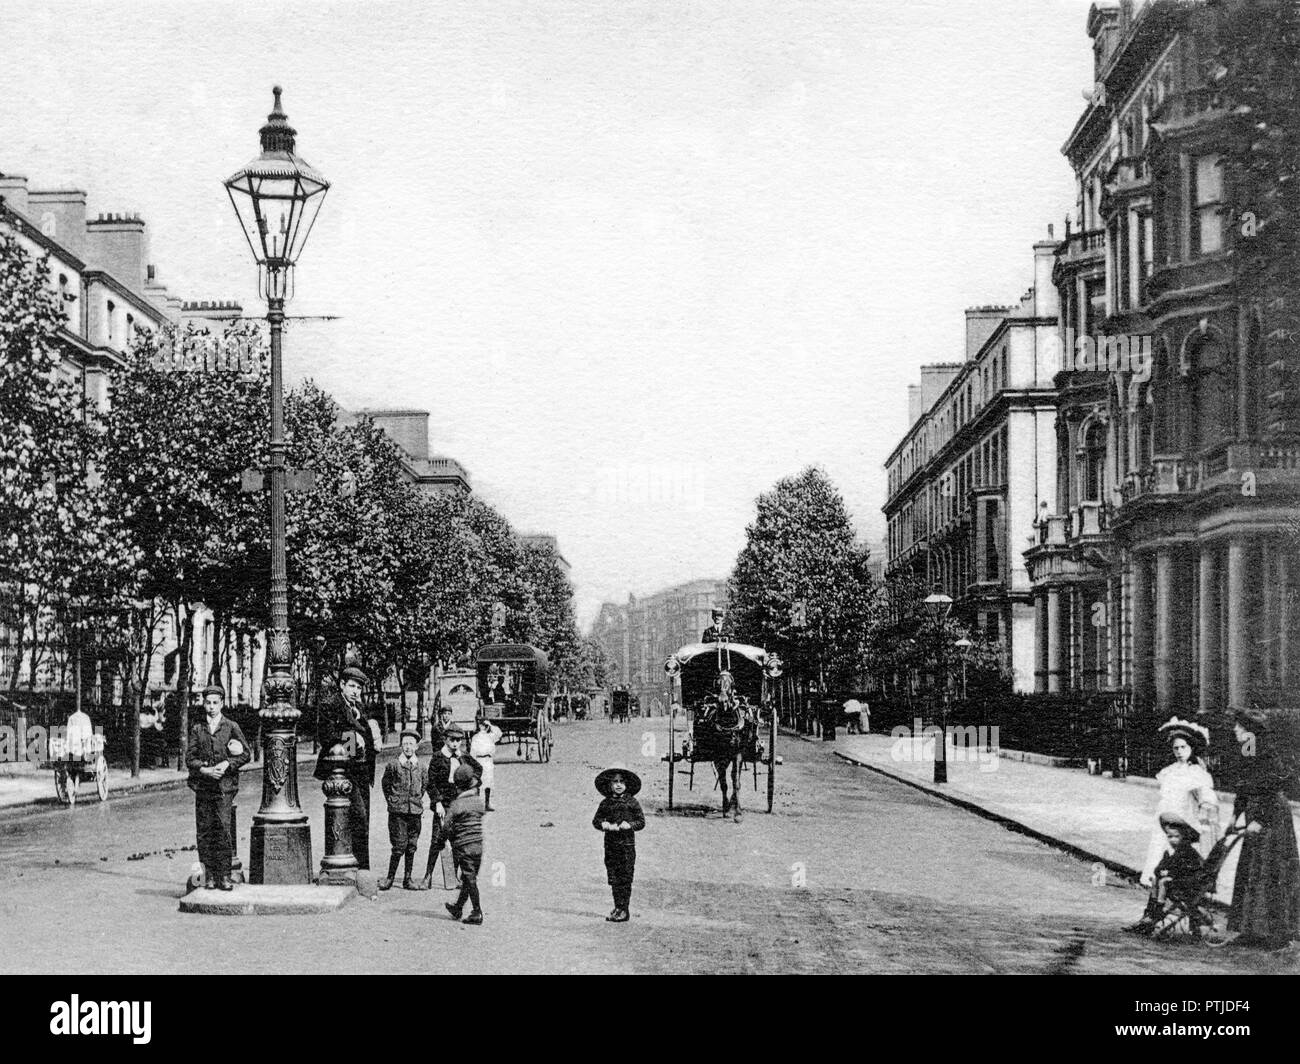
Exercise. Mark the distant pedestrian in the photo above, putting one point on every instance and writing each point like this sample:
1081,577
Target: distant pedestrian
620,817
864,718
403,786
215,753
1266,894
465,829
343,721
482,746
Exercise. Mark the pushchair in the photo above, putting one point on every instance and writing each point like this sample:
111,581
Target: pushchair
1190,911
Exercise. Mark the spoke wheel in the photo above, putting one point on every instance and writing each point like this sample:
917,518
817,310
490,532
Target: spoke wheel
61,787
101,777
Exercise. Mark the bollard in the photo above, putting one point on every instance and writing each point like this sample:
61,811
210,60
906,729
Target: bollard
236,865
339,865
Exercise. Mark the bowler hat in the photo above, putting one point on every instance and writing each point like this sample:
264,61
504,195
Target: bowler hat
632,780
1191,833
353,673
214,689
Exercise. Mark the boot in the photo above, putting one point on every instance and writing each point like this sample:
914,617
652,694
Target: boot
454,909
475,917
386,883
406,878
426,883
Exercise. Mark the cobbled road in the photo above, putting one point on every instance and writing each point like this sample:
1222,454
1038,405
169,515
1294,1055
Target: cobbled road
852,872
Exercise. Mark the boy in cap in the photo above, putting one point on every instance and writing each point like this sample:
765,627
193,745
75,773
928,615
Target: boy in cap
441,785
343,720
619,816
403,786
464,826
215,753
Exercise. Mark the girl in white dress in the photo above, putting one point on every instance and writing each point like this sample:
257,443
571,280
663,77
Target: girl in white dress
481,748
1186,789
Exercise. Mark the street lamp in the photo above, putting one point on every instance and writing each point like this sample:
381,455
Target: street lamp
276,198
963,646
937,606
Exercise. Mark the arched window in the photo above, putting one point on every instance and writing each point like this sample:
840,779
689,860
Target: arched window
1168,399
1092,448
1211,389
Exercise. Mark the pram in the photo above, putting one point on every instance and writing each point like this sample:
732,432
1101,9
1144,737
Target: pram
1191,911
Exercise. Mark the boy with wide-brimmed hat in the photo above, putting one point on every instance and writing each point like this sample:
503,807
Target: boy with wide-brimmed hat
620,817
1178,875
403,786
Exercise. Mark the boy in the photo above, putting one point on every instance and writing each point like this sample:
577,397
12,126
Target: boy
403,786
464,826
1177,876
216,751
619,816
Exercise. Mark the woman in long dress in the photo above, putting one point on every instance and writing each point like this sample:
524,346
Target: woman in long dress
1266,894
1186,789
481,747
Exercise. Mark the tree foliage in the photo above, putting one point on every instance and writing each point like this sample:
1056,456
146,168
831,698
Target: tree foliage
801,585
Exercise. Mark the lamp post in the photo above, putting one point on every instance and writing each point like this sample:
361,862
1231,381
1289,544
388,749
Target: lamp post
276,198
938,605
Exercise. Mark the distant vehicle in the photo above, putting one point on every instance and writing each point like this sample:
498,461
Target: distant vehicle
620,705
513,694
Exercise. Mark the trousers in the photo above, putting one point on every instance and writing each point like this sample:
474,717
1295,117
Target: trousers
620,868
404,832
359,821
212,824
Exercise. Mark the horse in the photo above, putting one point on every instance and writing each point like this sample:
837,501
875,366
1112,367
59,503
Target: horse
731,729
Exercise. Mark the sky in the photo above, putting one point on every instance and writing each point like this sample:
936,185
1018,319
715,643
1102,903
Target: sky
639,260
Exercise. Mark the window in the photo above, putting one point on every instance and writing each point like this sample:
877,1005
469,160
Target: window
1094,461
110,309
1206,195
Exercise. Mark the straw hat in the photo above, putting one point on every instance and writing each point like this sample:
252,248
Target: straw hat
632,780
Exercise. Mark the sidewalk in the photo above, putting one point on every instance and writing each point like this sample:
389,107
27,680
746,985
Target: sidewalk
1097,818
37,788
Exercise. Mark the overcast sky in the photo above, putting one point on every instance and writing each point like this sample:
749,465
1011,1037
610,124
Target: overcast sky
639,259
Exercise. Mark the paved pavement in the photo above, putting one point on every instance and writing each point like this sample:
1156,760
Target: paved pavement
1103,819
853,872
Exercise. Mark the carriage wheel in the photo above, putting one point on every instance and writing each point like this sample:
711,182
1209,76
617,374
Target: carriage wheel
65,793
543,738
101,777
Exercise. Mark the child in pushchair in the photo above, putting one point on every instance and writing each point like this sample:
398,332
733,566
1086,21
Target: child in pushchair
1184,883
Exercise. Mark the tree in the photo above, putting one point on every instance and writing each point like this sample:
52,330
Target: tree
554,629
55,539
176,439
801,585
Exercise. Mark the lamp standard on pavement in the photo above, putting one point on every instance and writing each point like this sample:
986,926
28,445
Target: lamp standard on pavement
937,606
277,197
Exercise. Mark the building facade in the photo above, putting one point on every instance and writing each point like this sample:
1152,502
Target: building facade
639,635
966,482
409,429
1166,570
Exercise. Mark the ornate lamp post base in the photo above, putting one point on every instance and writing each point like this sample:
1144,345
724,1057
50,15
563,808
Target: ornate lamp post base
280,843
339,865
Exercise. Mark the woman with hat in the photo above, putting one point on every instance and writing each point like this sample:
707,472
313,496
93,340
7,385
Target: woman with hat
1186,789
619,816
1266,894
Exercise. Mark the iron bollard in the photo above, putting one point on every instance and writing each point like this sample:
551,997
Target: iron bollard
236,865
339,865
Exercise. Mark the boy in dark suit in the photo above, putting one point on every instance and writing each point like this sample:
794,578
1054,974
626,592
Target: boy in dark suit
464,826
215,753
403,786
620,817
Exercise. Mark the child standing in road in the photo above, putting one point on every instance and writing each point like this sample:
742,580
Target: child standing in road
403,785
619,816
464,826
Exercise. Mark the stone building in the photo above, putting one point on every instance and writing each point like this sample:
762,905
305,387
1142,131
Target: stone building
1165,567
967,479
639,635
409,429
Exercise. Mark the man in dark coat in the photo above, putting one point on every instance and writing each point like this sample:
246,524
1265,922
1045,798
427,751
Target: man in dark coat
215,753
713,633
343,720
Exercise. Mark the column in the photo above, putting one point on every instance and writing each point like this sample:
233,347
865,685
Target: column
1040,642
1285,620
1238,644
1053,640
1268,600
1140,626
1165,650
1113,630
1208,631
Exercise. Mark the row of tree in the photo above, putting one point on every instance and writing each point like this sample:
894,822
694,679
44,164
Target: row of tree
802,586
117,523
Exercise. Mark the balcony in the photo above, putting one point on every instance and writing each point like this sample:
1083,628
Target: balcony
1189,107
1086,245
1089,519
1164,476
1218,467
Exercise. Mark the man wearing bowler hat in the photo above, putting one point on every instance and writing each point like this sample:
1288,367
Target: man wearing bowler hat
215,753
343,720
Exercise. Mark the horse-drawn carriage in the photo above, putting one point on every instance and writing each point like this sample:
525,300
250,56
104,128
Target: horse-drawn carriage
620,705
75,761
513,695
728,704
